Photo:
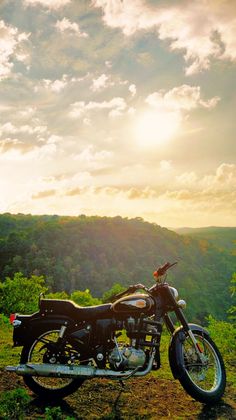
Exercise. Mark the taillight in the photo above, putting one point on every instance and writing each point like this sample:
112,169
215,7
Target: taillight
12,318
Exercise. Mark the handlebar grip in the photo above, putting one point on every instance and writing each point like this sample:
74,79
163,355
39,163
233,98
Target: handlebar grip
161,270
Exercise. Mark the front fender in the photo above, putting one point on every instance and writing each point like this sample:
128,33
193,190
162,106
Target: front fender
33,325
175,348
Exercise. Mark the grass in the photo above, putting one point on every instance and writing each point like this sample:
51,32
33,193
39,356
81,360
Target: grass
8,354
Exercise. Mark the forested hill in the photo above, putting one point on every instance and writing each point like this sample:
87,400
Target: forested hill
96,252
223,238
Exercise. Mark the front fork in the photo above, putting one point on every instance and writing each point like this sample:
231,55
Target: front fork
186,328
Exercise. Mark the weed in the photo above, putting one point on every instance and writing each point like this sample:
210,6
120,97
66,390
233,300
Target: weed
13,404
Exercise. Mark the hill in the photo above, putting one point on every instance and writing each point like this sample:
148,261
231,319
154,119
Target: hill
224,238
96,252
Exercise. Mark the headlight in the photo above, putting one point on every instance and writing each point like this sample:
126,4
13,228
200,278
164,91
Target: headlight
174,292
182,303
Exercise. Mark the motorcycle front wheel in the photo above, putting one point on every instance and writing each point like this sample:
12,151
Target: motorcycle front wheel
204,379
43,349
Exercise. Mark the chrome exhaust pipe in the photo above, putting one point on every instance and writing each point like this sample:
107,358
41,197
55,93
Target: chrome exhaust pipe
73,371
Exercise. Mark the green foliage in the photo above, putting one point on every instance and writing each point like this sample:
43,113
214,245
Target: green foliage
13,404
57,295
53,413
232,309
8,355
115,289
219,237
79,253
84,298
20,294
224,333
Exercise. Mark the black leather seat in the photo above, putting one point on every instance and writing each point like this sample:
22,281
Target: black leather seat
74,311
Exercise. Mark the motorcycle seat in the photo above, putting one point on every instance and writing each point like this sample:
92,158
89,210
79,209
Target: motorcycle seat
72,310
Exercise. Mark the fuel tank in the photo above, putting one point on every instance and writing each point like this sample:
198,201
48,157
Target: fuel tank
137,303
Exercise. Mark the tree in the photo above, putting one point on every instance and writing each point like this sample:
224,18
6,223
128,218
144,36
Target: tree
84,298
57,295
116,288
21,294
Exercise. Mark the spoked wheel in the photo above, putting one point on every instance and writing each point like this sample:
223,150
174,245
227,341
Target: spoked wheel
204,377
45,349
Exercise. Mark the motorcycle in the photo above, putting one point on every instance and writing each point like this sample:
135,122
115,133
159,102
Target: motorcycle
64,344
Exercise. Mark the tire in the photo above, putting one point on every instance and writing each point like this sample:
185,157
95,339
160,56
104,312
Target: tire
206,381
37,351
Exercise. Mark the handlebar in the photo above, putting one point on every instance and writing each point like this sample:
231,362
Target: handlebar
157,274
163,269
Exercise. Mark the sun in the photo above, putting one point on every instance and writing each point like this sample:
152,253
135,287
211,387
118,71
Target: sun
156,128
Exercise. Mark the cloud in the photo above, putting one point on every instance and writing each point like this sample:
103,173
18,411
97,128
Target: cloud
44,194
179,24
9,128
11,46
132,89
55,86
170,110
58,85
218,184
117,107
74,191
16,150
66,26
9,144
50,4
183,97
100,83
92,159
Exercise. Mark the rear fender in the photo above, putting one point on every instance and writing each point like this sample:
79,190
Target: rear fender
31,326
175,352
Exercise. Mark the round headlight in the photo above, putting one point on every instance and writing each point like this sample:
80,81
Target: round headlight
174,292
182,303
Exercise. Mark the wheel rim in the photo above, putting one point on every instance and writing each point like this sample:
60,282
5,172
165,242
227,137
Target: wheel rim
41,352
206,375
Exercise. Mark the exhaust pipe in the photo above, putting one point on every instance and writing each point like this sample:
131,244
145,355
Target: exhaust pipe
73,371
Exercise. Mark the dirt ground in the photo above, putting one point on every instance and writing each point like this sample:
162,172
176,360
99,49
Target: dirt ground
140,398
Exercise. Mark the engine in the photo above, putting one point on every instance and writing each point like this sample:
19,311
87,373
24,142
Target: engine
126,358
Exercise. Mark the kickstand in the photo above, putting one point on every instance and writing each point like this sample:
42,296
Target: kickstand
122,384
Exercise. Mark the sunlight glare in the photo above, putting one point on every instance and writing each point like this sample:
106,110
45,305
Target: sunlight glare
156,128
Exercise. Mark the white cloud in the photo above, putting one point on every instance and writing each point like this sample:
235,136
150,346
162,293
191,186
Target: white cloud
66,26
16,150
9,128
57,85
183,97
132,89
201,30
94,159
100,83
50,4
11,42
117,106
222,181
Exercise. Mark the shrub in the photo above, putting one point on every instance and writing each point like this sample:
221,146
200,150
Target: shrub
224,333
21,294
13,404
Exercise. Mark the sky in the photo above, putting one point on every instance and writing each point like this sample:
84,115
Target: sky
111,107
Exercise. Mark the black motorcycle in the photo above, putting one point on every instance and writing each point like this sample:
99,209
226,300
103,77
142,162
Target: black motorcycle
65,344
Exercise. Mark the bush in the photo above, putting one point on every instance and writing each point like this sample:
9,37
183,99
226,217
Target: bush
13,404
21,294
224,333
84,298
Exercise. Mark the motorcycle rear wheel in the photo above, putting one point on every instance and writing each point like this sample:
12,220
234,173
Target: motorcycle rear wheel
38,350
204,381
